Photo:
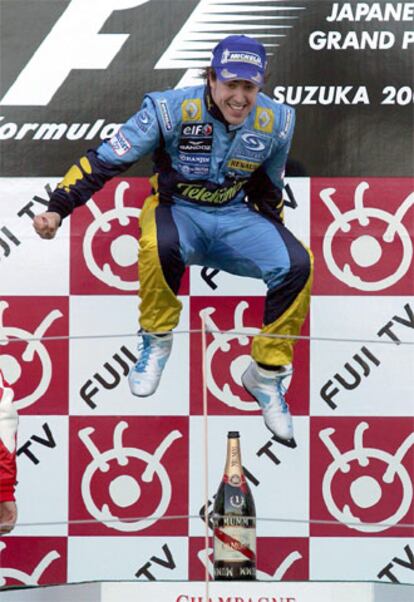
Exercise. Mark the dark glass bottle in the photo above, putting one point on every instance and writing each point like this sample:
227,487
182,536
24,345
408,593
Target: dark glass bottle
234,520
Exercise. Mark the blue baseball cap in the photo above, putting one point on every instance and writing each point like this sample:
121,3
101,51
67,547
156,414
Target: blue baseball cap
239,57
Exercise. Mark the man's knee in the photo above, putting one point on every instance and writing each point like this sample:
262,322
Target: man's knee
303,264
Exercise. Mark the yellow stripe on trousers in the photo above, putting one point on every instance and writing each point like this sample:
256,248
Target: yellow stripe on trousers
160,308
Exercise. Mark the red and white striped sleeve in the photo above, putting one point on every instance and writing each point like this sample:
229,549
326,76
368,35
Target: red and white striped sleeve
8,434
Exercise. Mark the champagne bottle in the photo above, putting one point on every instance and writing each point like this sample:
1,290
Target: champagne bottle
234,520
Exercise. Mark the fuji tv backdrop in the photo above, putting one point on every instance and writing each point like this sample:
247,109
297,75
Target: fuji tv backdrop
90,455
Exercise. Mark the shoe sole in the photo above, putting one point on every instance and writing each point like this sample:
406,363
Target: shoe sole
141,395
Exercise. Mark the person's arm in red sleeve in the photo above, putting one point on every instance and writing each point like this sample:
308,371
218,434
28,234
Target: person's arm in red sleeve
8,432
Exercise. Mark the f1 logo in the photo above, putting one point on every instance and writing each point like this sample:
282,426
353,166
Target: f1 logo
74,42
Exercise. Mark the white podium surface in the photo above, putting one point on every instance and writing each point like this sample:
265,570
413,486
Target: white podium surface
121,591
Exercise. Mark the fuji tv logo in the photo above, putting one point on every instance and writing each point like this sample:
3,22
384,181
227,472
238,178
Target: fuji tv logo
124,247
380,247
378,482
127,489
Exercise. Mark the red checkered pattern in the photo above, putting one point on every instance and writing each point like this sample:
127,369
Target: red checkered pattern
112,487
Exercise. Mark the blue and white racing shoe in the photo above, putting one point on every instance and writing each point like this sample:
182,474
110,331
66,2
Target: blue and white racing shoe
268,388
153,353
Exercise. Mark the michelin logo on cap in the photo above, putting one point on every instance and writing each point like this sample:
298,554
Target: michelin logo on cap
250,58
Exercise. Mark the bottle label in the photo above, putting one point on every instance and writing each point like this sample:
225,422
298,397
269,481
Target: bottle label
236,544
236,480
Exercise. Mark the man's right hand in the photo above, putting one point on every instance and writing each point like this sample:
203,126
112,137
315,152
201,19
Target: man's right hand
46,224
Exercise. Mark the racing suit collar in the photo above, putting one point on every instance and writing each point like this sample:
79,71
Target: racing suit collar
215,112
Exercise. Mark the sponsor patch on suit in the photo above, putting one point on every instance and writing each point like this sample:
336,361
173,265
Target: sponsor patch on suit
195,170
195,145
194,163
252,147
120,144
165,114
286,125
191,109
197,130
242,165
264,120
144,120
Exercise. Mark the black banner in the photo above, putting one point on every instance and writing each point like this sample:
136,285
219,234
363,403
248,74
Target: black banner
71,71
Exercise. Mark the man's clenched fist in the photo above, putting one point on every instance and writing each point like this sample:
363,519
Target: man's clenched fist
46,224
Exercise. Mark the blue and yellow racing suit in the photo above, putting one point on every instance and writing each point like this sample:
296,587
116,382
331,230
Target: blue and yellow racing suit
216,202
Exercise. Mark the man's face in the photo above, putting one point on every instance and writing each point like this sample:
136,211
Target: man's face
235,98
